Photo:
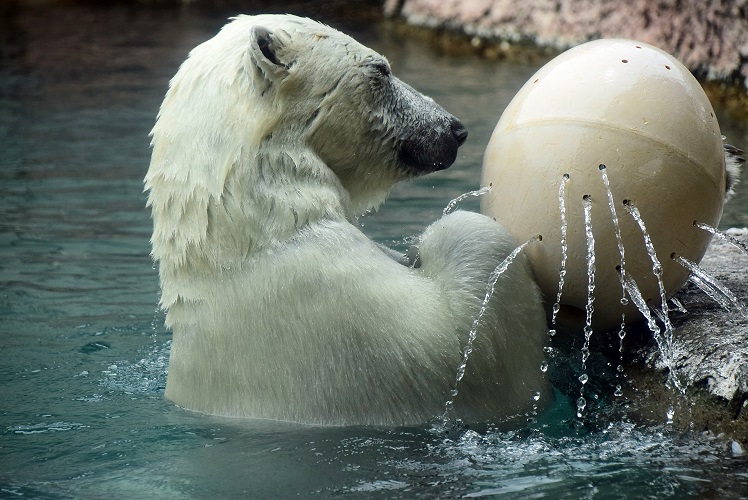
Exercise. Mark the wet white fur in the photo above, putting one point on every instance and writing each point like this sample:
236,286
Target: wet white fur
281,307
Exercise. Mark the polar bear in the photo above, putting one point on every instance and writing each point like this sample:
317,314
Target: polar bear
272,138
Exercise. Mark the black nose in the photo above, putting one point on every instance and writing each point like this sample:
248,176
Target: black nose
459,132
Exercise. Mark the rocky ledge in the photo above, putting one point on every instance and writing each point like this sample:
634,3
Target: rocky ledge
710,38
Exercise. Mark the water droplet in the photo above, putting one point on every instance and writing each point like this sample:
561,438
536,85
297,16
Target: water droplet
544,367
585,354
551,332
619,391
536,397
583,378
624,301
670,414
581,404
619,368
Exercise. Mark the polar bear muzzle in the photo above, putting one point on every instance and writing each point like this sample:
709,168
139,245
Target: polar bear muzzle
424,156
429,136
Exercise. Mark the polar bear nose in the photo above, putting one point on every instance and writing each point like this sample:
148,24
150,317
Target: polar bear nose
459,132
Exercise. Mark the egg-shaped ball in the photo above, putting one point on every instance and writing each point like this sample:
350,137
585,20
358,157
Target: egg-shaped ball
639,112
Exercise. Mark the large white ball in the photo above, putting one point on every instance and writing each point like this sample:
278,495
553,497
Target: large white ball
638,111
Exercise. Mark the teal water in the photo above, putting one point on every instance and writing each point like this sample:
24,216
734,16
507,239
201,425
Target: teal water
84,353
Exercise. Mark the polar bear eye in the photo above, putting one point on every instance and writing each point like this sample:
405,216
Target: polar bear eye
381,68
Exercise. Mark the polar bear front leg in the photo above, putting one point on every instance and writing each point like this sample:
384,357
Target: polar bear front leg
459,252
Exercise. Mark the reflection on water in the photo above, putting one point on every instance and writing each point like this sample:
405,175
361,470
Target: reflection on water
85,353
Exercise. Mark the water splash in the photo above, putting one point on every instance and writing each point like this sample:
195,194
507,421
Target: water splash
564,250
453,204
677,305
730,239
492,279
621,270
657,271
589,307
709,285
665,349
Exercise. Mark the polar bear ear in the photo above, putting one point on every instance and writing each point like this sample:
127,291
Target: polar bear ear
265,51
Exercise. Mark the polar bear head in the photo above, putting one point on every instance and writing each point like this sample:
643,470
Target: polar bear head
342,101
278,121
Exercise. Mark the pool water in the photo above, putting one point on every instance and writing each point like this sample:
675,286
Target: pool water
84,350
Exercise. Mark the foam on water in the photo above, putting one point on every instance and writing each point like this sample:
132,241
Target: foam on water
147,375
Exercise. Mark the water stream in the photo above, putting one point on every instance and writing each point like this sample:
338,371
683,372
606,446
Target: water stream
722,235
492,280
666,342
453,204
564,250
622,274
709,285
589,307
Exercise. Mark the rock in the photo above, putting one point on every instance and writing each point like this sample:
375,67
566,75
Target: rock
710,38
